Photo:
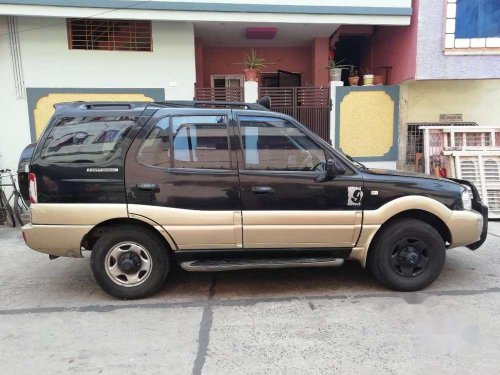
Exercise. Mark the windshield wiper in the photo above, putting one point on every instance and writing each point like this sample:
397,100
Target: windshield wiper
356,162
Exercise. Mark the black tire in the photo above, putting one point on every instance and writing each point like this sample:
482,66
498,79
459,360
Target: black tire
21,210
9,219
392,259
101,260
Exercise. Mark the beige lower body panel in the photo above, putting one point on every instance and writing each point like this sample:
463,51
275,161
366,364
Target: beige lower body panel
295,229
58,240
76,213
196,229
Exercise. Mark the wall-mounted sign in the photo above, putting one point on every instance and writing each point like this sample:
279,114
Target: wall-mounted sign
447,117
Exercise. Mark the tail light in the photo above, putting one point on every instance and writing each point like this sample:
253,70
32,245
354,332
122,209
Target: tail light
33,192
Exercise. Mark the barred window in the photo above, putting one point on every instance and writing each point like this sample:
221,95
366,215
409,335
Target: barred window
109,35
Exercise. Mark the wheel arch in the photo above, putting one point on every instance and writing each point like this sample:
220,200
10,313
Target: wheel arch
422,208
423,215
98,230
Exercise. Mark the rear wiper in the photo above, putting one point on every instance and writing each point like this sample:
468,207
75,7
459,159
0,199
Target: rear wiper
356,162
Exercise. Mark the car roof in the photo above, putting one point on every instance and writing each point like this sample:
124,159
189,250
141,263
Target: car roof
133,108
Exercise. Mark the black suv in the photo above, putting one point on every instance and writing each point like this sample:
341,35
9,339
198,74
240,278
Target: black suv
218,186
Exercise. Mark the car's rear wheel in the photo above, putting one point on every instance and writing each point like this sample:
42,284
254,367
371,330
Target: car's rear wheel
407,255
129,262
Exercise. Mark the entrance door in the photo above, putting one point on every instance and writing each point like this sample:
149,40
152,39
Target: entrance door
180,174
288,79
282,204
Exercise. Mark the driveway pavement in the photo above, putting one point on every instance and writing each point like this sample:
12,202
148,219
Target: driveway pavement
54,319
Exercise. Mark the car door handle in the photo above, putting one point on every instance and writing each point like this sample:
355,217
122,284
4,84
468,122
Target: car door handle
263,190
148,187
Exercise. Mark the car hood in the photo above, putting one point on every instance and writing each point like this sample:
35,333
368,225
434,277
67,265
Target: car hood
387,172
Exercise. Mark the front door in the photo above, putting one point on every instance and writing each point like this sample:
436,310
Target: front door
180,174
282,204
288,79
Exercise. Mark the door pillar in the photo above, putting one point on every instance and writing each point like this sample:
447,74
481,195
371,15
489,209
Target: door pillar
320,54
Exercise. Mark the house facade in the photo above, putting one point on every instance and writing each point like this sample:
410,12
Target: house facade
55,51
456,80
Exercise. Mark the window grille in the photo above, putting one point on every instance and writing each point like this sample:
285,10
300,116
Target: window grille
415,138
109,35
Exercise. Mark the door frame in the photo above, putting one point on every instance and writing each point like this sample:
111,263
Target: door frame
338,220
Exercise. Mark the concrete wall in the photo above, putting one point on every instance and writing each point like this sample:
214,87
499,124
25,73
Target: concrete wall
432,63
47,62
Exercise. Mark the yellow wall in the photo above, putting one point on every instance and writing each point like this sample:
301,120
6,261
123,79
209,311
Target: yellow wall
44,108
366,123
477,100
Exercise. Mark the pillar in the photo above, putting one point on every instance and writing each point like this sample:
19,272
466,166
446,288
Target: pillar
320,53
251,91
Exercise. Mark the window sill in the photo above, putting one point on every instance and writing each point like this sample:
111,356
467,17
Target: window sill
471,51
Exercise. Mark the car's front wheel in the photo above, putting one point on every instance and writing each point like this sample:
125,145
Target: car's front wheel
407,255
129,262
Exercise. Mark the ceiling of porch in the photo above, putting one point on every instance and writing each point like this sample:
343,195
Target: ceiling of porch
227,34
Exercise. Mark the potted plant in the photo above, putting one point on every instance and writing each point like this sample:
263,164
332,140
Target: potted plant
367,77
353,76
252,65
335,67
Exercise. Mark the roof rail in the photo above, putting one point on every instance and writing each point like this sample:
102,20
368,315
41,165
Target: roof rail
202,103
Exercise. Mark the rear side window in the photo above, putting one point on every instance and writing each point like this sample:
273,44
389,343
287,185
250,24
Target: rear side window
86,139
199,142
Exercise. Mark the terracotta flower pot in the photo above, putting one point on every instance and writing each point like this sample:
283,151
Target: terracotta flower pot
353,81
251,75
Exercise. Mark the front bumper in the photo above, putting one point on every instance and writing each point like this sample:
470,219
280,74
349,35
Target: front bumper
480,209
483,210
57,240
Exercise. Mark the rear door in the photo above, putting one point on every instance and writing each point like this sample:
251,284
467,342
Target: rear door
181,173
282,204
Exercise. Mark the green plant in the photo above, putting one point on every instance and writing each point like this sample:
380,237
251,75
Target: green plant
336,64
353,71
365,71
252,61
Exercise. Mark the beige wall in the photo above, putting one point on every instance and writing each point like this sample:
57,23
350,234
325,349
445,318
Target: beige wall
423,101
477,100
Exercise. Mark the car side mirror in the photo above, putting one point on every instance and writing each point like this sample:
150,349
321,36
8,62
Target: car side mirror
333,168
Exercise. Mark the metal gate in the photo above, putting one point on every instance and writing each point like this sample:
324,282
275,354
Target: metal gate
225,94
309,105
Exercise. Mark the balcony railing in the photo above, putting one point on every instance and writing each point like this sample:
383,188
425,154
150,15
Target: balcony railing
225,94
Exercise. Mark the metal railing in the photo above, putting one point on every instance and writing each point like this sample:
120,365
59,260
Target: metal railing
309,105
225,94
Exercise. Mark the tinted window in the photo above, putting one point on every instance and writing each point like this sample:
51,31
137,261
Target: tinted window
86,139
187,142
271,143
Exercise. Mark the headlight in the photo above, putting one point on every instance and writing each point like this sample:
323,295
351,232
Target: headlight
467,200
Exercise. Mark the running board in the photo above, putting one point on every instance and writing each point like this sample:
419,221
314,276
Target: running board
244,264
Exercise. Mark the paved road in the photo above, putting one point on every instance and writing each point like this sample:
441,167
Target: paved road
54,319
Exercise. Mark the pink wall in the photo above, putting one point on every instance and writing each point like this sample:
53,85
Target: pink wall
396,46
225,60
320,52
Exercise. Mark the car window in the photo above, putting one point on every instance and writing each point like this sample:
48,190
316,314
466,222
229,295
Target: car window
86,139
199,142
271,143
